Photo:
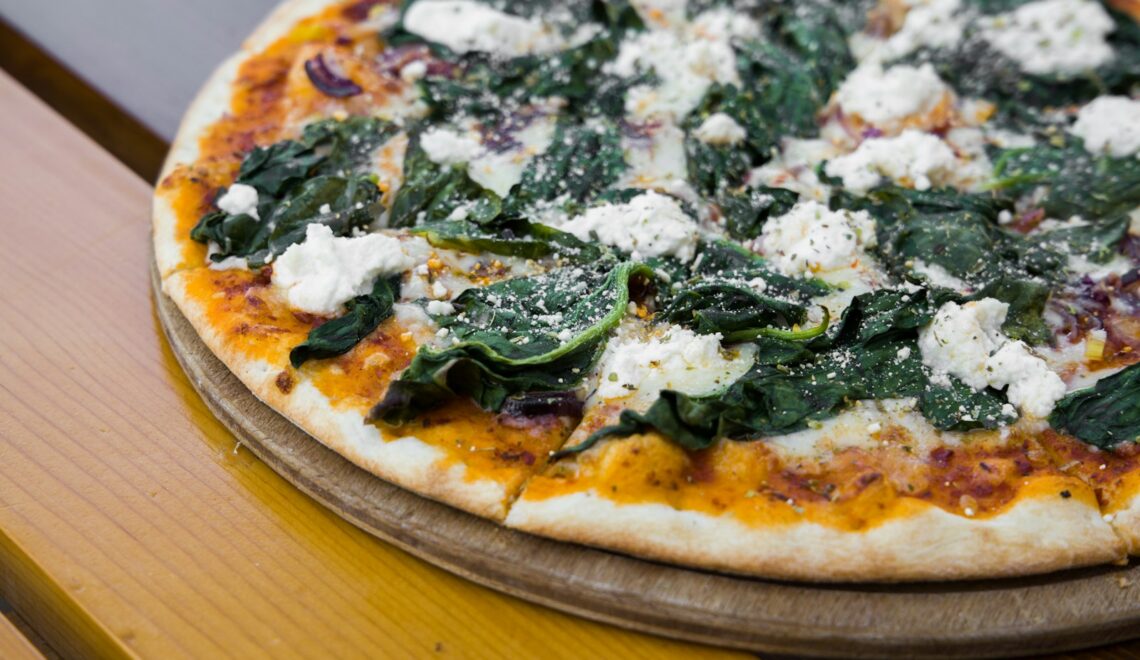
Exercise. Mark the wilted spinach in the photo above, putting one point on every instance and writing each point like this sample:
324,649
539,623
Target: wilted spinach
363,315
315,178
1106,414
431,192
527,334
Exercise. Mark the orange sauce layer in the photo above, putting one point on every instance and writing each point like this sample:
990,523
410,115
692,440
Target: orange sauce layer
1114,475
852,489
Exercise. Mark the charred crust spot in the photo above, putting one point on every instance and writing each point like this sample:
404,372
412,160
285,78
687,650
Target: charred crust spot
285,382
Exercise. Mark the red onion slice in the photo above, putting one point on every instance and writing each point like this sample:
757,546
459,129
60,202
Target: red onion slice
331,84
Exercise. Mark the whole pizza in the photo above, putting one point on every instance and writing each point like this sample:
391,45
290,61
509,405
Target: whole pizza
812,289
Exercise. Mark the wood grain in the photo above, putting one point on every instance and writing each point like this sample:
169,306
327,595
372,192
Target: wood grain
13,645
131,522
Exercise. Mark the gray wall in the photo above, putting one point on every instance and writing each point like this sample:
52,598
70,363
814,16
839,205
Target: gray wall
149,56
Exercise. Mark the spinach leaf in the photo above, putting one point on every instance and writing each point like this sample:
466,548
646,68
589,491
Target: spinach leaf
583,160
295,180
1077,182
718,296
528,334
337,337
1106,414
430,193
1026,299
960,233
733,310
516,238
745,211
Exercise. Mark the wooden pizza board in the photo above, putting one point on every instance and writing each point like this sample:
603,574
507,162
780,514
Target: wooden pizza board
1027,616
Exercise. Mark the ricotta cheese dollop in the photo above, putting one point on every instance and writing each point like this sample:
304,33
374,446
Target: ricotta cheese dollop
240,199
447,147
881,96
811,238
325,271
686,60
913,158
466,26
966,341
720,130
1110,125
649,225
1052,36
675,358
928,23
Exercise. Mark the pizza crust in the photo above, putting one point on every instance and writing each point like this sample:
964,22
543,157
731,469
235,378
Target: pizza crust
931,545
1126,522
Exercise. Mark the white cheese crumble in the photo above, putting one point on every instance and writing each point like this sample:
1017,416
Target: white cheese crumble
720,130
913,158
440,308
497,170
465,26
811,238
661,14
882,97
322,273
794,168
447,147
686,61
649,225
657,163
1052,36
966,341
1110,125
240,199
939,276
672,358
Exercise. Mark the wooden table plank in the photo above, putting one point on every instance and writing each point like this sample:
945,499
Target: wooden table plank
149,56
130,523
13,644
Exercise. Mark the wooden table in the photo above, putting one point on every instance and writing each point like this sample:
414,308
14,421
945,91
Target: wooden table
131,523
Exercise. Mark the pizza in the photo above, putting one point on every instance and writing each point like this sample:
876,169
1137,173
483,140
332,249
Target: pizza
818,290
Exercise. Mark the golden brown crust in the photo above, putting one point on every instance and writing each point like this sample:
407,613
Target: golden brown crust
1033,536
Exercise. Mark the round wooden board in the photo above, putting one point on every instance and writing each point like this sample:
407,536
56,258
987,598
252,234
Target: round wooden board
1008,617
